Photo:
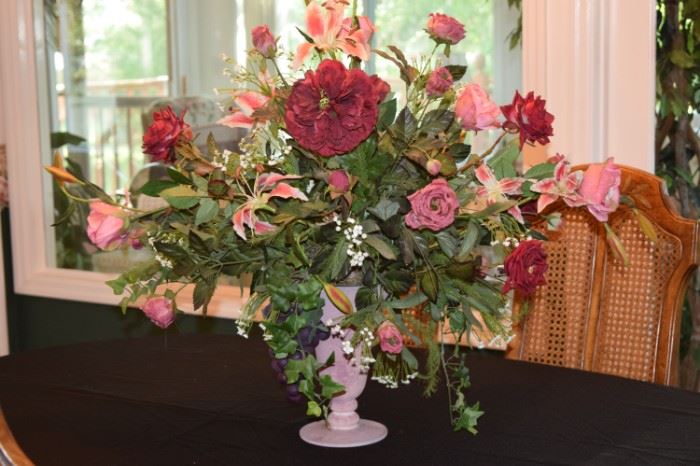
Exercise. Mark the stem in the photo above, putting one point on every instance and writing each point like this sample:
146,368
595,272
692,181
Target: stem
279,73
443,363
481,157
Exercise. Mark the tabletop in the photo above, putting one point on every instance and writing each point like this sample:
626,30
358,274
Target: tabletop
213,400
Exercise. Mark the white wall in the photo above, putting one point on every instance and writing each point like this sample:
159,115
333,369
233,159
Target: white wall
593,60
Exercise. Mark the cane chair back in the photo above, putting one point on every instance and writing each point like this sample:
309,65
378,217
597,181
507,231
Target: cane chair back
597,314
10,453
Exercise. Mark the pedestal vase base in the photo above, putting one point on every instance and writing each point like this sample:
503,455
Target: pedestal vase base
366,433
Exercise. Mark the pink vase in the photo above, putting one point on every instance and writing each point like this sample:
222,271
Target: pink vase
343,428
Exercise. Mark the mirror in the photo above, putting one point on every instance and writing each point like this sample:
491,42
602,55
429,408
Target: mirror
105,65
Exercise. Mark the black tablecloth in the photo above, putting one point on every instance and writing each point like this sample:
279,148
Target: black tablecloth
213,400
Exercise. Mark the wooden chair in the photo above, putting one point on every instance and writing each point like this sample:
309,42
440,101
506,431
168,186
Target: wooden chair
599,315
10,453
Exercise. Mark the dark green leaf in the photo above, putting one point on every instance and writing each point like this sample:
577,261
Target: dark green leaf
381,247
154,187
429,284
457,71
540,171
61,138
385,209
207,211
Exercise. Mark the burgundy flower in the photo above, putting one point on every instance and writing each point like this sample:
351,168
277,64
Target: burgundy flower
263,41
332,110
164,133
444,29
439,82
432,207
529,116
525,268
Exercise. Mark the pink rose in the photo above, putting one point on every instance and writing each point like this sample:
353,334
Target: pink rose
160,311
475,110
263,41
339,181
433,206
600,188
444,29
390,339
106,225
439,82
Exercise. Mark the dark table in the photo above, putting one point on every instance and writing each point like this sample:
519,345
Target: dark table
213,400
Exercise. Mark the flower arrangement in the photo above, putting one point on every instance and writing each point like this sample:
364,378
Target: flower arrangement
334,184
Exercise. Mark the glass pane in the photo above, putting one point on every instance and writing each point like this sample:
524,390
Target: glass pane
108,64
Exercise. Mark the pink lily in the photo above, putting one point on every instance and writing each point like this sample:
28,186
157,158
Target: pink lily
563,185
495,190
330,31
248,102
266,187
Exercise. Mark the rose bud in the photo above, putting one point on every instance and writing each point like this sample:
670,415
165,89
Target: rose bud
160,311
433,166
600,188
439,82
339,181
263,41
444,29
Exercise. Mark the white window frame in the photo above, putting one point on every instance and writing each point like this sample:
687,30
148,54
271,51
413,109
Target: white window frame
575,52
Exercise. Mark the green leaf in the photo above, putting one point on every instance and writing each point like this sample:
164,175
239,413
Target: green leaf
329,387
61,138
385,209
180,197
682,58
540,171
471,236
447,243
178,177
503,163
387,114
154,187
457,71
207,211
429,284
410,301
313,409
381,247
200,183
335,261
203,291
467,418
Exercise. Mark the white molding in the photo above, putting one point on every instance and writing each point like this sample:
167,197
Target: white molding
594,60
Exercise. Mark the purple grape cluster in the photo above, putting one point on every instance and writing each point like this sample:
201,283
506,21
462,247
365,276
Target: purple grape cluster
307,338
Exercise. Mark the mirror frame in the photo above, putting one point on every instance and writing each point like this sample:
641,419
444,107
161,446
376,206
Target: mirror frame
581,44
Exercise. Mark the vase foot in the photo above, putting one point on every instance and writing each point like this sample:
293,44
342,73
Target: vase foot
366,433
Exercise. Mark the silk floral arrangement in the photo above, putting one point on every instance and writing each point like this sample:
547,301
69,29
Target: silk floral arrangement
334,184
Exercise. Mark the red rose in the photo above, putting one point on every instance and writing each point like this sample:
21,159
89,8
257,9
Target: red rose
444,29
161,137
525,268
332,110
529,116
263,41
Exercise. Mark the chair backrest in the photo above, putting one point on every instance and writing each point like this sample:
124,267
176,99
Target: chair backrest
599,315
10,453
